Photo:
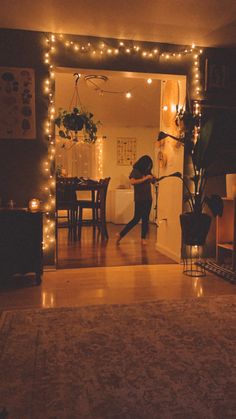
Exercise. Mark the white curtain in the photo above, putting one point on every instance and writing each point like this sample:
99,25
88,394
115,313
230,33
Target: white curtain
79,159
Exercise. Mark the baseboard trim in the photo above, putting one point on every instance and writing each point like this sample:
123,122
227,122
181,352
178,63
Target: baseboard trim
48,268
167,252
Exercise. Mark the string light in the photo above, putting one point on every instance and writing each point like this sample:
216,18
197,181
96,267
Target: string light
99,158
48,165
126,47
122,47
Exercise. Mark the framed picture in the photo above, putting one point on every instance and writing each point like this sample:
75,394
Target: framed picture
215,75
126,151
17,102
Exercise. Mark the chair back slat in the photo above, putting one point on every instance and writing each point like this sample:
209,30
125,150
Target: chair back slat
102,191
66,190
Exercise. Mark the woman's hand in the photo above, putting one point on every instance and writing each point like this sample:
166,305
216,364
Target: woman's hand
147,177
152,178
142,180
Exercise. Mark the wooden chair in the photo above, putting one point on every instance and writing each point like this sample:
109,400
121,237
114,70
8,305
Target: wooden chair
98,208
66,200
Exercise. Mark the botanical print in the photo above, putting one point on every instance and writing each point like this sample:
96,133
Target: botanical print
126,151
17,102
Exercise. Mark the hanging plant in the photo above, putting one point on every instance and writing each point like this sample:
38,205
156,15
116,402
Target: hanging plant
71,122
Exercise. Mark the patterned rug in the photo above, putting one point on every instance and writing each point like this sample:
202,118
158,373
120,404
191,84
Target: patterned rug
164,359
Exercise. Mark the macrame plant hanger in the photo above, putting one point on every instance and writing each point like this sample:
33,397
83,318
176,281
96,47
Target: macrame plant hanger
75,103
75,120
75,100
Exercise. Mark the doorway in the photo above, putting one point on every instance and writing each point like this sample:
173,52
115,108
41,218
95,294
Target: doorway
126,121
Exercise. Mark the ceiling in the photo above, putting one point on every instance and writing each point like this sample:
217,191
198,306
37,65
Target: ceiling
209,23
144,101
141,110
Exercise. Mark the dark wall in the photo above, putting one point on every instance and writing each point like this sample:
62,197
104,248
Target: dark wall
20,160
21,175
219,73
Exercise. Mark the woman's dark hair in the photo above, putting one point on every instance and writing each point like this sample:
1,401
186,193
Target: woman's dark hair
144,165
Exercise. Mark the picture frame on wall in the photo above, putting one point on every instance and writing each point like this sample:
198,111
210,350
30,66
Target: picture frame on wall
215,75
17,102
126,151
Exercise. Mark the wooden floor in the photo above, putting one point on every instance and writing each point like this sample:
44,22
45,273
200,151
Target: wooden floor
92,252
141,274
110,285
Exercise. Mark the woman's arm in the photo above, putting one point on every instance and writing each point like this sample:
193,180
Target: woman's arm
134,181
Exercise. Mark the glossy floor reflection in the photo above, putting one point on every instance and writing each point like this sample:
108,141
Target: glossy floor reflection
112,285
91,251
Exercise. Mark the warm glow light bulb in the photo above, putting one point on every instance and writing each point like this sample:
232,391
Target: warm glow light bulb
149,81
128,95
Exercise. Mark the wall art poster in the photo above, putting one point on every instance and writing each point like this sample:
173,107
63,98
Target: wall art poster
126,151
215,75
17,102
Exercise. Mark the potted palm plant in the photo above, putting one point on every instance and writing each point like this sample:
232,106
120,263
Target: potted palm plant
210,144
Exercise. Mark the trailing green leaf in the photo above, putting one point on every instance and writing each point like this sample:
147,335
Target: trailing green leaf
70,123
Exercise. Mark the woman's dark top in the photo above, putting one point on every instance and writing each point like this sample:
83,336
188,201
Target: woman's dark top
142,191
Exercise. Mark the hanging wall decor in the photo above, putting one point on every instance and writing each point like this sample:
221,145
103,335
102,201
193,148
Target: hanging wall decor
126,151
17,102
215,75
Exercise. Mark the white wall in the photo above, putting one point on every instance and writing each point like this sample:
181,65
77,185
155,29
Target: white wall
170,203
170,196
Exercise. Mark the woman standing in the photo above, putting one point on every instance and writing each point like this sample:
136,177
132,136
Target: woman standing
141,178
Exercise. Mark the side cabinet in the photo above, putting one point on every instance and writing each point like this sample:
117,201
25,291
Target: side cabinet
21,241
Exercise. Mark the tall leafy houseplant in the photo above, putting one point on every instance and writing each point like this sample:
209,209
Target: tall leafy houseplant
209,155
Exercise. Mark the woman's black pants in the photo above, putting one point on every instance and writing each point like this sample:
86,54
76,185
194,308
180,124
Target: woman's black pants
141,212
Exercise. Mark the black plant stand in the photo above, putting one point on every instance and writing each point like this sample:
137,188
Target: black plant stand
192,256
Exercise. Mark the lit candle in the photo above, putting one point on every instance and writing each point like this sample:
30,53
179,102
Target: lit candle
34,205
